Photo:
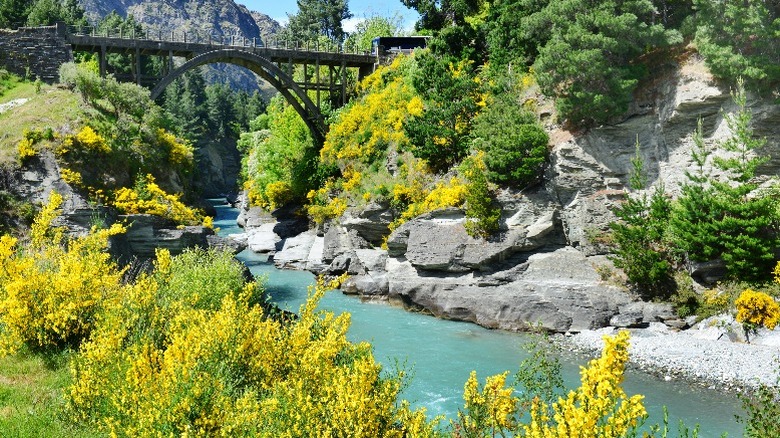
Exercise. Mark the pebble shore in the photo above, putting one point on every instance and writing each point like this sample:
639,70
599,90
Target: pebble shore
685,355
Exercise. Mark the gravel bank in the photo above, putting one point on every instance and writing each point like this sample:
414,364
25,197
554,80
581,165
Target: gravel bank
718,364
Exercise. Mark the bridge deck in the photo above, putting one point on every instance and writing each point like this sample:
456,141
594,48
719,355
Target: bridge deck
281,55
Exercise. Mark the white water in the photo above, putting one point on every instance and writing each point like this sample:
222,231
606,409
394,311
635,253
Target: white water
441,353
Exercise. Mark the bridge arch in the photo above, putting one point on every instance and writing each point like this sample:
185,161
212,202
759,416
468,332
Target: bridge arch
267,70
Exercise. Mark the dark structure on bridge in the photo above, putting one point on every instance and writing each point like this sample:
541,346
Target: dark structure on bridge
40,51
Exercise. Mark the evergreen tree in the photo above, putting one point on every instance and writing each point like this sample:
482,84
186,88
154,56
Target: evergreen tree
639,236
14,13
440,134
515,145
730,218
482,216
220,109
319,18
695,212
740,39
45,13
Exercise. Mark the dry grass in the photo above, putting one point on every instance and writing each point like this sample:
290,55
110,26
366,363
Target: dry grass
50,108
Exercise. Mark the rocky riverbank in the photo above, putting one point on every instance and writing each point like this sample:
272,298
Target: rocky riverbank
703,355
546,268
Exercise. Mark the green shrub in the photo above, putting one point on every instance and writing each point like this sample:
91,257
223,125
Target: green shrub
440,134
515,145
729,218
639,236
482,217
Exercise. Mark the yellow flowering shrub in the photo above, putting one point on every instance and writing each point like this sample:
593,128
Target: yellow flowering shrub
488,411
599,408
50,291
179,152
25,149
419,200
85,141
277,194
165,363
776,273
368,127
149,198
71,177
757,309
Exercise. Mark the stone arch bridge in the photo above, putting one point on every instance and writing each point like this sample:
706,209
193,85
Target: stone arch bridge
40,51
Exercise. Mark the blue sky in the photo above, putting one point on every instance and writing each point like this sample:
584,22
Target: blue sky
278,10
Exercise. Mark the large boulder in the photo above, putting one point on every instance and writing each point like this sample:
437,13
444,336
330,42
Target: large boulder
263,239
295,251
438,241
146,233
371,222
557,291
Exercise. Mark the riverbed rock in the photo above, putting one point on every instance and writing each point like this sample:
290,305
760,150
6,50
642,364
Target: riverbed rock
371,222
146,233
291,220
263,239
559,291
295,251
438,241
227,244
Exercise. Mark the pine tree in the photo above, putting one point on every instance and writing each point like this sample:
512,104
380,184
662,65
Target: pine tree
729,218
639,235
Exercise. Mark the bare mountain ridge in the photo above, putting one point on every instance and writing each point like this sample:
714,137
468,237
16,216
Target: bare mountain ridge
221,17
215,17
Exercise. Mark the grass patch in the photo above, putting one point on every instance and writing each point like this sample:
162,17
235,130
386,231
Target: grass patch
52,107
31,401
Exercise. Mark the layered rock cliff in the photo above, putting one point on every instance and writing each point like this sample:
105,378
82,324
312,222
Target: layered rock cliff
545,268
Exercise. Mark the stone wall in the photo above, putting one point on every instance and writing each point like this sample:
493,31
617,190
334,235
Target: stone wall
40,49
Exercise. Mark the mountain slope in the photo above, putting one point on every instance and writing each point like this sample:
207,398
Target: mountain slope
216,17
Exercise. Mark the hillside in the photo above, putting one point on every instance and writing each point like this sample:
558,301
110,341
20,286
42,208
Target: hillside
215,17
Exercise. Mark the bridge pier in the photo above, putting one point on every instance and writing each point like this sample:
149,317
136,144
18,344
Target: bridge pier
102,60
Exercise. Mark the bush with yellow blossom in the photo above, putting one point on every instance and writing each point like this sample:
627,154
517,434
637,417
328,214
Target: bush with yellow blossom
149,198
599,408
365,129
756,309
50,291
167,360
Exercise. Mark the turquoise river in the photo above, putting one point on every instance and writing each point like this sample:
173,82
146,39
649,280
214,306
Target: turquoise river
441,353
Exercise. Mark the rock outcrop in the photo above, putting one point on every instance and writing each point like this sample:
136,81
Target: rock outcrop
544,268
35,182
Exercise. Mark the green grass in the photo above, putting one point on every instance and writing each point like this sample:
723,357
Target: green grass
31,397
51,107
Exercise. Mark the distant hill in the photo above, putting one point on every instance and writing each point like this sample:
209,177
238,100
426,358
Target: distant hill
217,17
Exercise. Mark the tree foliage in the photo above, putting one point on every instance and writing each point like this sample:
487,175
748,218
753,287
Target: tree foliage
317,18
515,144
740,39
440,134
371,27
729,218
482,217
40,13
585,62
640,234
284,152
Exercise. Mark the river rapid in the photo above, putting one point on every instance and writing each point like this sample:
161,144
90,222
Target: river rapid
440,354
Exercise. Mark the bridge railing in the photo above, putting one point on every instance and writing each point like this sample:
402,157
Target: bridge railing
270,42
